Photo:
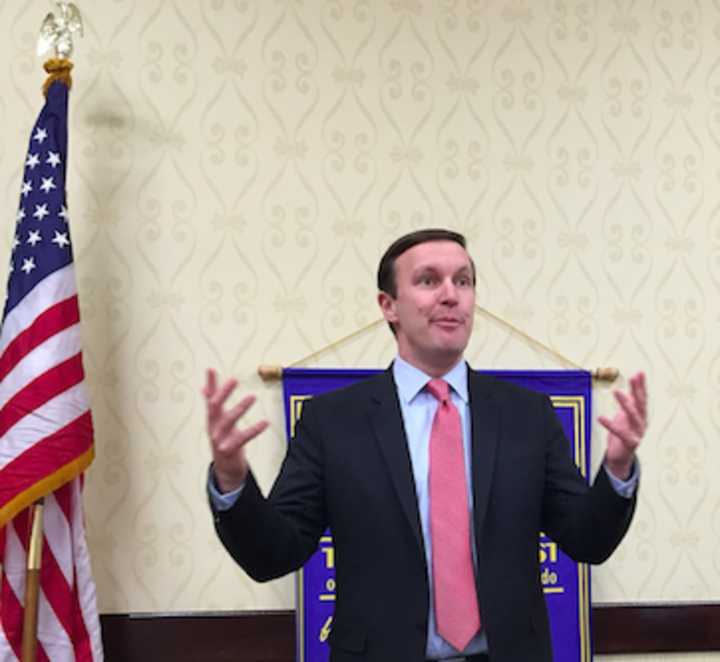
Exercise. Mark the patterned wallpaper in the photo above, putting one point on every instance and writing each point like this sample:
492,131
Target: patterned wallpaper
239,166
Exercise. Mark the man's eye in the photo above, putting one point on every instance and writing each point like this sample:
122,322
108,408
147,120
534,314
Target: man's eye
426,280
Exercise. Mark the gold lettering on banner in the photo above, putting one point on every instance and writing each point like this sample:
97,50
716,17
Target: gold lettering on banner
329,552
296,403
548,552
325,630
549,580
330,595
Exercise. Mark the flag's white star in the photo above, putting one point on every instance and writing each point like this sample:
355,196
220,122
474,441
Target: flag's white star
63,213
41,211
26,188
61,239
40,135
33,161
16,242
28,265
34,237
48,184
20,215
53,159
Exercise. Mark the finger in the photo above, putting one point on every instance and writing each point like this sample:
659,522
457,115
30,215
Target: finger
217,400
642,380
232,443
619,431
210,383
230,417
631,413
215,406
641,383
639,395
248,434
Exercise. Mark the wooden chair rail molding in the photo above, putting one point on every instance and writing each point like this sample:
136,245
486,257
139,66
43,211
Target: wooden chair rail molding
270,636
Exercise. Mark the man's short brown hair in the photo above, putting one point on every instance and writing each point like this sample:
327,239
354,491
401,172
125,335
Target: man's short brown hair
386,281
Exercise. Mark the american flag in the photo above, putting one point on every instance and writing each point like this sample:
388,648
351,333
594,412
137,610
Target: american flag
46,435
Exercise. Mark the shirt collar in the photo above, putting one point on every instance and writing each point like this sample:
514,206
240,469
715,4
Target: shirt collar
411,380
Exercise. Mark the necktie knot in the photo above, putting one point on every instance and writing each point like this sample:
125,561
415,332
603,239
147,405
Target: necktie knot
439,388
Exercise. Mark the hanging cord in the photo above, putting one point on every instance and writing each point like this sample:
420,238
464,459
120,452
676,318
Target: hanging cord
603,374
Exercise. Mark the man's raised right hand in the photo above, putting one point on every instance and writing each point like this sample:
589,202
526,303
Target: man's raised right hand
227,440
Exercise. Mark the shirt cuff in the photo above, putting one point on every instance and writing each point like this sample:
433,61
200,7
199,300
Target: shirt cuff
625,488
219,500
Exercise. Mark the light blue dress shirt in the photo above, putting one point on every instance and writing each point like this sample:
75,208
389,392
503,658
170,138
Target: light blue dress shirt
418,410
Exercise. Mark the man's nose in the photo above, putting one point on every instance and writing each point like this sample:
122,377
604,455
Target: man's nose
448,292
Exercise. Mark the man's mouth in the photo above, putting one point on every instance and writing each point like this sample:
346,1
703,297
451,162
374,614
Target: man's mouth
447,322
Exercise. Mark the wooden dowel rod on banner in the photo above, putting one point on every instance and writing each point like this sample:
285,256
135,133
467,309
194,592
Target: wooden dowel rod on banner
270,373
32,584
606,374
273,373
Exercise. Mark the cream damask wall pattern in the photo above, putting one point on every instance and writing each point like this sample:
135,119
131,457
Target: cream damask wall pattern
237,167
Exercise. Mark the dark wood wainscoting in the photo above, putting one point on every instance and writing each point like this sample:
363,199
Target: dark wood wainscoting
661,628
270,636
231,637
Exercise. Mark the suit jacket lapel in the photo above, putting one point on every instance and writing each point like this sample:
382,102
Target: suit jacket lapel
386,421
485,430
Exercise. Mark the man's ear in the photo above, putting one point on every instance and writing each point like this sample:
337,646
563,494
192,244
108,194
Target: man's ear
387,306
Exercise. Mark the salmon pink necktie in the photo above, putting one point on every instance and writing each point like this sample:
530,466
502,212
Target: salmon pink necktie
456,608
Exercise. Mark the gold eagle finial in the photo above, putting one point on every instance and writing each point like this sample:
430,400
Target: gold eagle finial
57,30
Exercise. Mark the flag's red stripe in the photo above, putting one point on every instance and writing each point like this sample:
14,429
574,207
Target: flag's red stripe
45,457
52,321
79,635
21,524
11,613
70,501
11,610
63,497
61,597
41,655
40,390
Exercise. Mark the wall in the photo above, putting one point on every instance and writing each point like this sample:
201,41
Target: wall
238,167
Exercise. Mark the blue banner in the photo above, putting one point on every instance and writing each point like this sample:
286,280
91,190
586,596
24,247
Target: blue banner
566,584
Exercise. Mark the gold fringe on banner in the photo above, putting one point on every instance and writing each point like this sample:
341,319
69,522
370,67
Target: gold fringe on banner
604,374
57,69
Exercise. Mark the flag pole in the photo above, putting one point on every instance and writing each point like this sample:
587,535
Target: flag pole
32,584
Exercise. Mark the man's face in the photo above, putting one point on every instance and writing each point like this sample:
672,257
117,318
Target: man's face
434,307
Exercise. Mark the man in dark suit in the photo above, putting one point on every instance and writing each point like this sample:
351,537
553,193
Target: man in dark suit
434,480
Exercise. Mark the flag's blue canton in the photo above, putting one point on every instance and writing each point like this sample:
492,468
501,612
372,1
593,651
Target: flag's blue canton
41,244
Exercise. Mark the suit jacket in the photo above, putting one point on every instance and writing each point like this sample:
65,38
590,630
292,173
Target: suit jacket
349,467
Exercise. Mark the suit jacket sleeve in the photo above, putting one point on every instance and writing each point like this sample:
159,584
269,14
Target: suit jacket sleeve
270,537
587,524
